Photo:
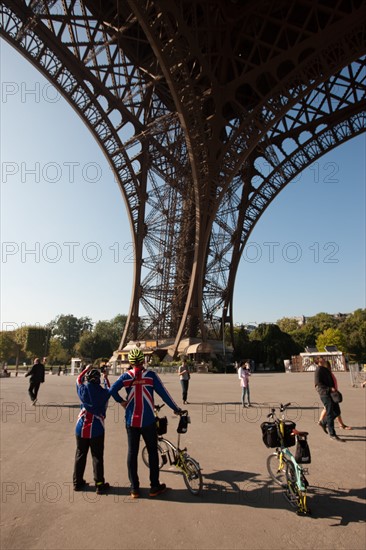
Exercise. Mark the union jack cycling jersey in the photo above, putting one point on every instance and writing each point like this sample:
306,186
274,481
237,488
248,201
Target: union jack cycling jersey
94,401
140,385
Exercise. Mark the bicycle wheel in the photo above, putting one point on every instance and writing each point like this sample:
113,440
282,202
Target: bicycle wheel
294,495
192,475
161,455
277,473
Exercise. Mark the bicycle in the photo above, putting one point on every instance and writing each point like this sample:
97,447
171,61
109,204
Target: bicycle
282,466
168,452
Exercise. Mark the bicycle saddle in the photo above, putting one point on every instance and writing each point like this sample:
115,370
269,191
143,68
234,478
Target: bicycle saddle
296,432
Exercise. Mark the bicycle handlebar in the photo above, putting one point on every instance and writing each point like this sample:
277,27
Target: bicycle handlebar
282,409
182,412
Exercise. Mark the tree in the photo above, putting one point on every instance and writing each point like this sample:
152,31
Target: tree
7,345
20,338
322,321
241,344
305,336
37,341
354,330
56,353
68,329
273,345
331,337
111,331
92,346
288,325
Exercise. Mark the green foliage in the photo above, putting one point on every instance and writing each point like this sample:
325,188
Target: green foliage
241,344
322,321
271,346
92,346
37,341
68,329
331,337
305,336
354,330
288,325
57,354
25,342
8,345
111,331
103,340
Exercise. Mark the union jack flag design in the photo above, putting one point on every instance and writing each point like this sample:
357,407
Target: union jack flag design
94,401
140,385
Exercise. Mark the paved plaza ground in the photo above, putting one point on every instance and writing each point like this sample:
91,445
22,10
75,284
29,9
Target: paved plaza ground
239,506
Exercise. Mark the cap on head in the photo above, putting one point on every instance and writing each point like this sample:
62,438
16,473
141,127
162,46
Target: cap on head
93,376
136,357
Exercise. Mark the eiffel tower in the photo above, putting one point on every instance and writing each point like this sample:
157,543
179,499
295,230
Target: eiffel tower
205,110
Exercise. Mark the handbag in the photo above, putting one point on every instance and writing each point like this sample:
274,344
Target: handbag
336,396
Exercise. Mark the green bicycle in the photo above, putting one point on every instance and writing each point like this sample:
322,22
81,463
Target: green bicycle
282,465
174,455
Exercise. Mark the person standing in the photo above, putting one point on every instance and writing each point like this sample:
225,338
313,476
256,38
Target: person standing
36,374
89,428
324,385
140,385
243,374
184,377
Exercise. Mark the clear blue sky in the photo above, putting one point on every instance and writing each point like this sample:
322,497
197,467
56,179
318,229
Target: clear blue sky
306,254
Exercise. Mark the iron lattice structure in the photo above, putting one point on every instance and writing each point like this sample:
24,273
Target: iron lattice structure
205,110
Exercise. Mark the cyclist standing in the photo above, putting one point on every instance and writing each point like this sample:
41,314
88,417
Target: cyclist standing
140,385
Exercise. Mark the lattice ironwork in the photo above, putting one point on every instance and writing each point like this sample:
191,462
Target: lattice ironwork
206,110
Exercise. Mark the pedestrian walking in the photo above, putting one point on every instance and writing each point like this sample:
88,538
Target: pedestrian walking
337,409
36,374
324,385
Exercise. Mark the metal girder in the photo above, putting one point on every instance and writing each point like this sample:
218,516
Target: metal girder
206,110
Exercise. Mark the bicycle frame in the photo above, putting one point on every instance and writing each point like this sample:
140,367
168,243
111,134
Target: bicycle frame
177,457
288,454
298,469
296,483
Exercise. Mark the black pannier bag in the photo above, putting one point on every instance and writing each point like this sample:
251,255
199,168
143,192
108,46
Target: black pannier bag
302,452
269,434
183,424
162,425
289,439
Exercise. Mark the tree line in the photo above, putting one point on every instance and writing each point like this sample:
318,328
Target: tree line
67,336
270,344
64,337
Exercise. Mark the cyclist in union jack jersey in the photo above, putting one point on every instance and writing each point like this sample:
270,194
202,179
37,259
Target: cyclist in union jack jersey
140,385
90,427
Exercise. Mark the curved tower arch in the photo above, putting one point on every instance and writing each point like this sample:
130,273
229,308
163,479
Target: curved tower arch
186,99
